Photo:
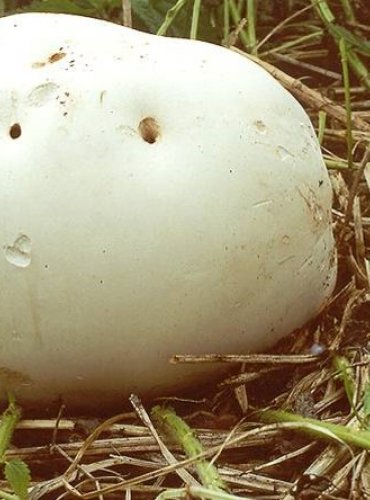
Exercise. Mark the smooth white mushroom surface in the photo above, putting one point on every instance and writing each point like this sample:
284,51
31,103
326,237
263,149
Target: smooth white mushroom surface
157,196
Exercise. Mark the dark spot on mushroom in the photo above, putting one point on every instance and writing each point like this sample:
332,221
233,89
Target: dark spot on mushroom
15,131
57,56
260,126
149,130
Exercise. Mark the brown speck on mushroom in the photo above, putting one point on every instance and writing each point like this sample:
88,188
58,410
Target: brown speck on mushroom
57,56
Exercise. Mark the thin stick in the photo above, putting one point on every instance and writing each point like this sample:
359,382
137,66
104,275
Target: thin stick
126,13
355,184
347,98
255,359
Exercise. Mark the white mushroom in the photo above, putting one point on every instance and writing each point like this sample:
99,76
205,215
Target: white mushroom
157,196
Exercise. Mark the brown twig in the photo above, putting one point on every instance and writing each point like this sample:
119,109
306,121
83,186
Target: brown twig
254,359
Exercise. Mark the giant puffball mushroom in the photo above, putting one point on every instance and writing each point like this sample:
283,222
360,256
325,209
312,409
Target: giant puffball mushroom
157,196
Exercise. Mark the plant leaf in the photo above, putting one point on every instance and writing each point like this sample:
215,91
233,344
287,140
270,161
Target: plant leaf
18,476
8,421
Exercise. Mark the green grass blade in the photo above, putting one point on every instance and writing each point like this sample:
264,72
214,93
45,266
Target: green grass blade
366,400
347,98
179,431
348,11
324,10
320,429
236,20
171,16
195,19
226,27
322,126
251,25
345,373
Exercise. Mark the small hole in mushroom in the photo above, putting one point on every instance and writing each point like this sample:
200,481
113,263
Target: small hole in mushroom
15,131
149,130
